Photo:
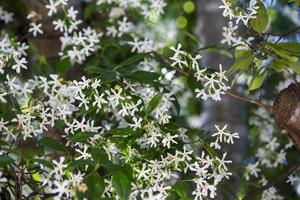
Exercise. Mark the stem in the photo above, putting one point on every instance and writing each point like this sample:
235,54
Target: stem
281,178
167,62
288,33
249,101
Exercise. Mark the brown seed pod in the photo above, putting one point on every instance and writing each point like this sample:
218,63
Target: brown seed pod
286,109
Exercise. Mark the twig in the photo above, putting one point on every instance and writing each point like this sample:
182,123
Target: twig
249,101
166,61
288,33
281,178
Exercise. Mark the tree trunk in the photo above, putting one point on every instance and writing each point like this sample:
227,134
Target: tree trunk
228,111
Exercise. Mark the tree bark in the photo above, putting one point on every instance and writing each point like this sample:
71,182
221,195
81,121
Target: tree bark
228,111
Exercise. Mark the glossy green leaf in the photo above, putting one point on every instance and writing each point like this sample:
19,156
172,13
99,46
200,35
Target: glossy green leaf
143,76
297,2
154,102
278,65
260,22
257,82
43,162
106,75
53,144
243,61
62,66
293,48
95,186
122,185
5,160
132,60
80,137
181,188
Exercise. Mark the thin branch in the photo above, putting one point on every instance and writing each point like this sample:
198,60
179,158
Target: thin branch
249,100
288,33
166,61
281,178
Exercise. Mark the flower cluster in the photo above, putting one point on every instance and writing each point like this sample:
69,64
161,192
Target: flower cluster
214,84
237,15
13,53
113,132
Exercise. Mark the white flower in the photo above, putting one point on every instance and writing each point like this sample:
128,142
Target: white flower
214,85
35,29
20,64
61,190
136,123
59,25
84,155
253,170
177,58
52,7
168,139
292,179
223,135
6,16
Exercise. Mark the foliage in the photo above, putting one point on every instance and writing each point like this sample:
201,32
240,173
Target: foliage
110,116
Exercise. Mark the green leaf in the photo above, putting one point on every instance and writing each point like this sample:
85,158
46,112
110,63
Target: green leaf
232,1
80,137
292,48
5,160
278,65
243,61
279,51
95,186
295,66
62,66
260,22
53,144
122,185
88,10
297,2
181,188
106,75
132,60
154,102
143,76
257,82
43,162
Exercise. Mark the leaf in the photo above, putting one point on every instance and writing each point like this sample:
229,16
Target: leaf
243,61
282,63
88,10
43,162
122,185
279,51
5,160
62,66
95,186
53,144
154,102
106,75
232,1
293,48
181,188
143,76
257,82
278,65
134,59
297,2
295,66
80,137
260,22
